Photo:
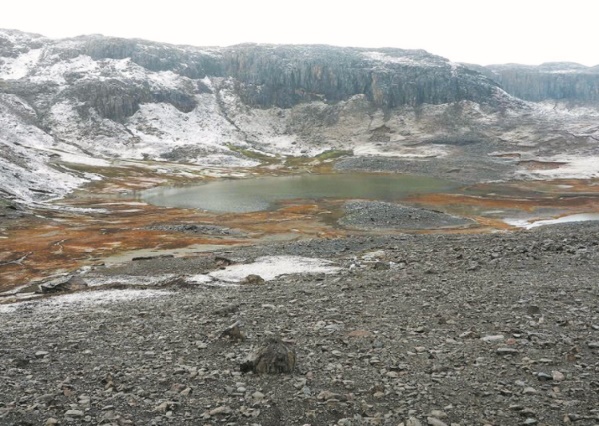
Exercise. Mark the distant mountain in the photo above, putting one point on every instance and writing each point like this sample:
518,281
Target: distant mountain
91,99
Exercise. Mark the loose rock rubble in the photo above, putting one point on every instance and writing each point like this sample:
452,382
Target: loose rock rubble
381,215
498,329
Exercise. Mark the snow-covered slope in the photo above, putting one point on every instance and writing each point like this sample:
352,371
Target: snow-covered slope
26,156
92,99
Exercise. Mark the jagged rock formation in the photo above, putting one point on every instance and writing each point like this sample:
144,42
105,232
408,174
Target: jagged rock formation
91,99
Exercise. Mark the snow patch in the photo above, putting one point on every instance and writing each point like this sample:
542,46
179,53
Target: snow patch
128,69
576,168
56,72
69,157
454,68
269,268
206,80
25,152
401,151
556,108
82,300
166,79
129,280
528,224
401,60
200,136
21,66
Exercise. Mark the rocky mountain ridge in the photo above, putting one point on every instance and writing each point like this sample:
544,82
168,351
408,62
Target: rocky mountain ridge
92,99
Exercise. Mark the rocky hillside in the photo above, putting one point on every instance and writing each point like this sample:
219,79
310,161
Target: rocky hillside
92,99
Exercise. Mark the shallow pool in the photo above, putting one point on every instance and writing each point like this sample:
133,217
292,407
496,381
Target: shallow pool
256,194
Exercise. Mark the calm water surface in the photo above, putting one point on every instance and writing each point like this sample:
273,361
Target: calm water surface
256,194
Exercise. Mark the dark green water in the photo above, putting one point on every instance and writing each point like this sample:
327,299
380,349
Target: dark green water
256,194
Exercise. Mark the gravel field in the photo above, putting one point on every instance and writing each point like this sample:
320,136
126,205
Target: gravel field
370,215
498,329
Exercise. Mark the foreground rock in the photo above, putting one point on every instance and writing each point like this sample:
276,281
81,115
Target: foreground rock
275,357
429,340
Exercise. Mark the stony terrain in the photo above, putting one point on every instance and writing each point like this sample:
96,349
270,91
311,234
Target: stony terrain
381,215
498,329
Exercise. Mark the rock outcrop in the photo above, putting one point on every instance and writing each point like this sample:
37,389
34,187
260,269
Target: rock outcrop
284,76
559,81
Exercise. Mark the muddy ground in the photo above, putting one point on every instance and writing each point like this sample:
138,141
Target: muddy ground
497,329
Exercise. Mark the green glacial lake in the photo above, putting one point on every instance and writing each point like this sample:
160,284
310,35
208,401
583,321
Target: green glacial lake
257,194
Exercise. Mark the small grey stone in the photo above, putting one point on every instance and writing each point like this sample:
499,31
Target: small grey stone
222,410
413,421
493,338
507,351
253,279
326,395
74,413
438,414
433,421
544,377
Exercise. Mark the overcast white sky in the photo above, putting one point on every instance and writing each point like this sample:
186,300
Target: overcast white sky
476,31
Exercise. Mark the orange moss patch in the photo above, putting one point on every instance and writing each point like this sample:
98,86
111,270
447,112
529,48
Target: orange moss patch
38,247
565,197
300,209
61,241
458,201
564,186
304,220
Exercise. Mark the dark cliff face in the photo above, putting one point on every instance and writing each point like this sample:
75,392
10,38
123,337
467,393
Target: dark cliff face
284,76
552,81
